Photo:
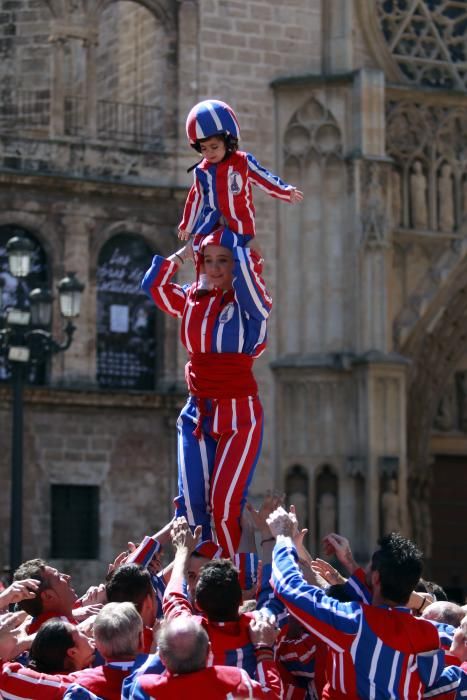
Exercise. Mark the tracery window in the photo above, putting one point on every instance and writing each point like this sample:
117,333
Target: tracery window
126,318
424,38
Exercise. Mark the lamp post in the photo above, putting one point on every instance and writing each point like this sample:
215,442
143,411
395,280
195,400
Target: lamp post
25,341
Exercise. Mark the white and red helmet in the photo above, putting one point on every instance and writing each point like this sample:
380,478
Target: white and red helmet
211,118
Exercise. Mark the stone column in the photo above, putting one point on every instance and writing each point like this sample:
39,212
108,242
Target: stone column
91,87
368,114
79,362
57,82
381,387
337,36
188,80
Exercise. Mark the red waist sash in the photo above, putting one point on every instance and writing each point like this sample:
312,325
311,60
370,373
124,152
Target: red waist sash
223,375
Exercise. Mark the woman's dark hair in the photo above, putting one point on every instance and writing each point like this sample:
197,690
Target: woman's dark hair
49,649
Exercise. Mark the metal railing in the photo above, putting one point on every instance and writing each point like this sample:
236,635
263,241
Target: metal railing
128,122
116,121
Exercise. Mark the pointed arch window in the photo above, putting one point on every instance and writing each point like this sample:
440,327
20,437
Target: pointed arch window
126,318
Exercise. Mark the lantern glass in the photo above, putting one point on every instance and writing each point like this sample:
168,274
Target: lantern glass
20,251
70,290
41,307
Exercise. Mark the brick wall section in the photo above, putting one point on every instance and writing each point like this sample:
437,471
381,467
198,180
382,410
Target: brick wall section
24,44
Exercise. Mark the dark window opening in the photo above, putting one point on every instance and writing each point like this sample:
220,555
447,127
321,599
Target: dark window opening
75,522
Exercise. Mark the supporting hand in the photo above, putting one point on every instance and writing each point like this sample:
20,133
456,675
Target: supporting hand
183,235
340,546
282,523
263,631
182,537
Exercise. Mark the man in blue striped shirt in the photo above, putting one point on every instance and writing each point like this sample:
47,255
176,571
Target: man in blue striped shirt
375,651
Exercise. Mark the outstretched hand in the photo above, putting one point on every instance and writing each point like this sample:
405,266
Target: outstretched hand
13,639
271,501
339,546
296,196
327,572
282,523
182,537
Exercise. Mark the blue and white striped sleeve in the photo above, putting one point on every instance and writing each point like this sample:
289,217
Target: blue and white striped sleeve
333,622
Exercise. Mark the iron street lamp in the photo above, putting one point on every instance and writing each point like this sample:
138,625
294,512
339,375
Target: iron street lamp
26,342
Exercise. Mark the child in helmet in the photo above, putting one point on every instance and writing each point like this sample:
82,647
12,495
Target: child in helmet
221,192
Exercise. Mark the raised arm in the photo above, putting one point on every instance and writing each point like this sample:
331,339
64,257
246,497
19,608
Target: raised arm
249,286
193,208
270,183
156,283
184,542
334,622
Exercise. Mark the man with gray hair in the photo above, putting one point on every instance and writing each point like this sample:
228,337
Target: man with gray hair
184,649
118,633
118,630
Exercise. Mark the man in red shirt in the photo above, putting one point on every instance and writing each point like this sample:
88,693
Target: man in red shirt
218,596
184,649
54,597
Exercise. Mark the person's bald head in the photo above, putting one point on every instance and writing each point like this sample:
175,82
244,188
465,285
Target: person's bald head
183,645
444,611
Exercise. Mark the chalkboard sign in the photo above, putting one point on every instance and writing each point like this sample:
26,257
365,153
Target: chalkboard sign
38,277
126,318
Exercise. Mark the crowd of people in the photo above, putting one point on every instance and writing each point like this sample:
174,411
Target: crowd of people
282,625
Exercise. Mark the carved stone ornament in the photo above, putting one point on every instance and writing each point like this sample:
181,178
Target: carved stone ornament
421,42
428,143
374,217
312,130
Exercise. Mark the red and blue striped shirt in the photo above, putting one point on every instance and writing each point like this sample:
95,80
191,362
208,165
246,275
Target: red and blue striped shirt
232,321
224,190
374,651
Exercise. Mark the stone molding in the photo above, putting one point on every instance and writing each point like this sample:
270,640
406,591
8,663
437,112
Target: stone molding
91,398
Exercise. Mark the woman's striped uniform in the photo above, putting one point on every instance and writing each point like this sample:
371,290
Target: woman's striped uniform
215,465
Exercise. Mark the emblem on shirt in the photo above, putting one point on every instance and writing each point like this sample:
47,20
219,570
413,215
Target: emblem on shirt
235,182
227,313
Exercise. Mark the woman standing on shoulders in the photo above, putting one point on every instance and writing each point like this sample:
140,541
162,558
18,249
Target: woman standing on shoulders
224,331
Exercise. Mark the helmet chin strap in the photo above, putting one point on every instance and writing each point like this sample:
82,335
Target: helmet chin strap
192,167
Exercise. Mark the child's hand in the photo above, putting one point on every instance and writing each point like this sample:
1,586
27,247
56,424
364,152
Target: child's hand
183,235
296,196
